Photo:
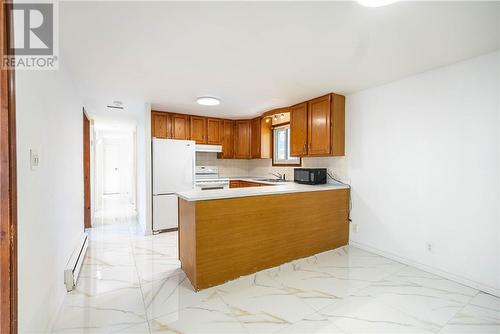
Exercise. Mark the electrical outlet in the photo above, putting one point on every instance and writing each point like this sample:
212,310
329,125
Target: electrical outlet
355,228
429,247
34,159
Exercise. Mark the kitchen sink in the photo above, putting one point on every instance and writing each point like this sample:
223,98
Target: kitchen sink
272,180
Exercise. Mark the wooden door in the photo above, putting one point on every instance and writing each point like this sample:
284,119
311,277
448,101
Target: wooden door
159,125
8,182
179,126
242,131
227,139
255,138
198,129
86,172
214,131
298,130
319,126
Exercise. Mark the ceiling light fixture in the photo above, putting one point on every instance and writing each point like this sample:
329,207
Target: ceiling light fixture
208,101
376,3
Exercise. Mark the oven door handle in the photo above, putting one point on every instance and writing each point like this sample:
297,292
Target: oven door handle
212,188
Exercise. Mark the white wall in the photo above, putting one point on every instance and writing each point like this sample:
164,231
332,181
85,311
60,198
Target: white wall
50,199
144,191
424,165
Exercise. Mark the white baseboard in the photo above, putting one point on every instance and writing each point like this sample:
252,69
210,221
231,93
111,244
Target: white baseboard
433,270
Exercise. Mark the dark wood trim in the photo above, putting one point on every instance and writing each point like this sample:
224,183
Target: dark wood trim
8,185
86,172
272,151
280,124
276,111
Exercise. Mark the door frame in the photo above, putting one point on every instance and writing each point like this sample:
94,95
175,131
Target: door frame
87,203
8,183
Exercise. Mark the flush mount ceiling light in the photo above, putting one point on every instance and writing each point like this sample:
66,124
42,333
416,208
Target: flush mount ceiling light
376,3
208,101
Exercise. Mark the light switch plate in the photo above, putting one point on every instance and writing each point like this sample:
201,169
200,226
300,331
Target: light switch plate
34,159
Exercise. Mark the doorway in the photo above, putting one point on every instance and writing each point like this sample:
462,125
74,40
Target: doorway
115,175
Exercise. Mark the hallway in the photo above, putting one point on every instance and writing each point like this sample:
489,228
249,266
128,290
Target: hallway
133,284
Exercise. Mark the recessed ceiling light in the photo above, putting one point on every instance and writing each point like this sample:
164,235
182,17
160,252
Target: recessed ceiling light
376,3
208,101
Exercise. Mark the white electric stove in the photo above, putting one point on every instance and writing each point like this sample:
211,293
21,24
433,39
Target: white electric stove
207,178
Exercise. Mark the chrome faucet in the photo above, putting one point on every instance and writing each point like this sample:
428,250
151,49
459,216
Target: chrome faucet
279,176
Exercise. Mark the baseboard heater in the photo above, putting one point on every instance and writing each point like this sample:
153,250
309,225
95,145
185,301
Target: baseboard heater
75,263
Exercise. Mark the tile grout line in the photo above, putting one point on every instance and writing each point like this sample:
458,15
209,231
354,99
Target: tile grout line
458,311
138,277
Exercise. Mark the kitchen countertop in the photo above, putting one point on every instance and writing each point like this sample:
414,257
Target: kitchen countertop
273,189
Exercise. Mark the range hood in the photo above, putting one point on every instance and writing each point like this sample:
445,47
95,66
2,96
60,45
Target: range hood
208,148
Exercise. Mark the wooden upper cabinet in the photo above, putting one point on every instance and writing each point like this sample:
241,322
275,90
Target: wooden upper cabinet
298,130
338,125
255,138
160,125
319,126
214,131
198,129
242,133
179,126
266,138
227,140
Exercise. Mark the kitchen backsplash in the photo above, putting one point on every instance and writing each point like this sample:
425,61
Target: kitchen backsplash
337,166
263,167
227,167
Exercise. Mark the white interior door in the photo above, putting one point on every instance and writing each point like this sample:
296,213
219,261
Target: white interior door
111,162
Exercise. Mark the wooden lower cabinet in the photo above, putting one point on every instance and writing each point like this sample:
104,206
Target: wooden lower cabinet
242,133
223,239
244,184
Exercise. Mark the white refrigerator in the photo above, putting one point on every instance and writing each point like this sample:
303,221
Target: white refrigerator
173,172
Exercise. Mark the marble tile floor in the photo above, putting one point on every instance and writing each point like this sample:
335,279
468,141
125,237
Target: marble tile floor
133,284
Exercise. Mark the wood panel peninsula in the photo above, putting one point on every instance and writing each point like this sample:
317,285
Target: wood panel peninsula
225,234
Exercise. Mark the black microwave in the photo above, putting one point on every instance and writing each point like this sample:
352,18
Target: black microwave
309,175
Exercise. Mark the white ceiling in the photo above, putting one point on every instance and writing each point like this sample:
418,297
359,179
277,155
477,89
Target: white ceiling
261,55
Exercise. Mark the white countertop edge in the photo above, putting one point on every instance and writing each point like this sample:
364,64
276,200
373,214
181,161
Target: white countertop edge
272,189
